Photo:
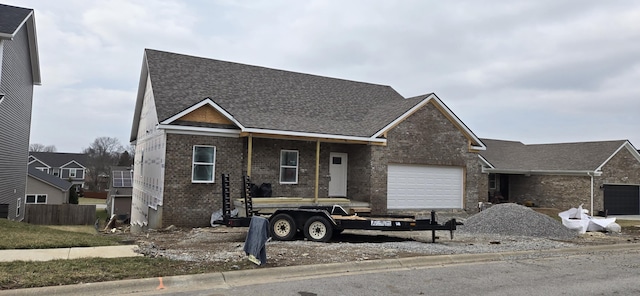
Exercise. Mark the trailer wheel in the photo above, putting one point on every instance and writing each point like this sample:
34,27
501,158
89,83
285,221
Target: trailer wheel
318,229
283,227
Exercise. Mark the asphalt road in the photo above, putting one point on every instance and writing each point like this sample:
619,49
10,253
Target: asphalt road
599,273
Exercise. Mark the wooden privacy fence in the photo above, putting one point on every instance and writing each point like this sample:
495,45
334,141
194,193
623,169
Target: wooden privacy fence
65,214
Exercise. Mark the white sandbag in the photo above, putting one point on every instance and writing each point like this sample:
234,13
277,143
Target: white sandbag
614,227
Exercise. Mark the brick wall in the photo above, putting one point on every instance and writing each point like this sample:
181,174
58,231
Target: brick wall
561,192
427,137
188,204
622,169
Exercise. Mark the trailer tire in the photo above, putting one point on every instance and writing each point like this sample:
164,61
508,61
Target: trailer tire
318,229
283,227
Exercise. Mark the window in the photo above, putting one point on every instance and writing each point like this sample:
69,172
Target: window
204,164
289,167
56,172
18,207
72,173
492,181
36,199
43,169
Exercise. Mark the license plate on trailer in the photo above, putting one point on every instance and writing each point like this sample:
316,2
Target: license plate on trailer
380,223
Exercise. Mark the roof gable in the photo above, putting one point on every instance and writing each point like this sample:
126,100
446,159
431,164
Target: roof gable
269,100
474,141
579,157
57,160
12,19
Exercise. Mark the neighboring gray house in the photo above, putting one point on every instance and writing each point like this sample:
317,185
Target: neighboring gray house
604,176
67,166
310,137
120,191
19,72
43,188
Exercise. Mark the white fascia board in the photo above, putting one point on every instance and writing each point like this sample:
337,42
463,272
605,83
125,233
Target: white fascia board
629,147
486,162
313,135
33,49
443,106
206,101
195,130
403,116
73,161
543,172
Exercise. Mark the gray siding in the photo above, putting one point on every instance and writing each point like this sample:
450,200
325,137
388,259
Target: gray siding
15,121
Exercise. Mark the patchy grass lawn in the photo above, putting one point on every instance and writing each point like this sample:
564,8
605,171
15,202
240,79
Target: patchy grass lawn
19,235
91,201
21,274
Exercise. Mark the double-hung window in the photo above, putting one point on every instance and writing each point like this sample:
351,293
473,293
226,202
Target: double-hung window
288,167
72,173
36,199
203,164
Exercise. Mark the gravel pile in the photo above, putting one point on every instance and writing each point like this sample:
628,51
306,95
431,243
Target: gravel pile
516,220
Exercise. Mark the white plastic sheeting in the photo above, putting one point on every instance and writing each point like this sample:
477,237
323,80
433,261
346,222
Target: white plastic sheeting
577,219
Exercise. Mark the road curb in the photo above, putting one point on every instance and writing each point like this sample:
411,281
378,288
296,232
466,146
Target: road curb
278,274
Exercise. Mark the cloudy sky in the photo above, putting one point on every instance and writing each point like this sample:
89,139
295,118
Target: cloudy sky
537,71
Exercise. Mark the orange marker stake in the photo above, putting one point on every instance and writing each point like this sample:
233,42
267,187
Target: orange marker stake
161,286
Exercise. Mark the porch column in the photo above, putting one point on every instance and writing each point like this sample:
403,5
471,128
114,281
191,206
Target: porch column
249,153
317,170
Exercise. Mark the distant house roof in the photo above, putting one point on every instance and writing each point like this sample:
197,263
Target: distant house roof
49,179
12,18
571,158
56,160
258,99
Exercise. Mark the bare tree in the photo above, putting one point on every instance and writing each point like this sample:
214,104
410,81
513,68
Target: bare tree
102,154
36,147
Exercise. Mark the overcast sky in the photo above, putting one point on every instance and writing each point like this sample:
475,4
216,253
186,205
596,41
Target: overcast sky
536,71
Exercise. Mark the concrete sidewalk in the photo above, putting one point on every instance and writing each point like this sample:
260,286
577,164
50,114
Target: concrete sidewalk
184,283
68,253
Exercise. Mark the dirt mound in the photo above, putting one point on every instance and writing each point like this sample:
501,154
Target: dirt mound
513,219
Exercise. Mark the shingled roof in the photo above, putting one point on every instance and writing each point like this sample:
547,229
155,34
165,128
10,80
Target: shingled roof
50,179
11,18
270,99
561,157
57,159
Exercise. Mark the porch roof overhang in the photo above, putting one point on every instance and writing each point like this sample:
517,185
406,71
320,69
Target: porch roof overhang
595,173
272,134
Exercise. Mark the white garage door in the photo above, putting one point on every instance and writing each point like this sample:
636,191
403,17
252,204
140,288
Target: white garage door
424,187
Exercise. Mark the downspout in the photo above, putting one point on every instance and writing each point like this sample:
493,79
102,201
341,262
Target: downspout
315,199
249,153
591,175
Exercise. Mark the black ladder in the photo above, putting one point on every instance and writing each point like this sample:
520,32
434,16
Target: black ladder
248,199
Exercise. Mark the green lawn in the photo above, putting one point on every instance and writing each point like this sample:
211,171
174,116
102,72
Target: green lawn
18,235
21,274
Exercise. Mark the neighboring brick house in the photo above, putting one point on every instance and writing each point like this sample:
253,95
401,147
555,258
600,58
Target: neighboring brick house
19,72
43,188
67,166
308,136
604,176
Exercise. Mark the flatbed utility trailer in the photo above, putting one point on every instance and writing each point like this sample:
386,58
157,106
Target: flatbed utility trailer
320,223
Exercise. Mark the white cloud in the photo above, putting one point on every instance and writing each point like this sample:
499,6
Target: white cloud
537,71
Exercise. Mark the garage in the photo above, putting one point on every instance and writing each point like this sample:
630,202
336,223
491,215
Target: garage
424,187
622,199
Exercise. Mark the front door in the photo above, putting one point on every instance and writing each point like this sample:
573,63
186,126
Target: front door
338,174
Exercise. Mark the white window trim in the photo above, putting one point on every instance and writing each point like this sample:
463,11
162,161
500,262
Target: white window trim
72,173
18,207
43,169
289,166
213,164
36,199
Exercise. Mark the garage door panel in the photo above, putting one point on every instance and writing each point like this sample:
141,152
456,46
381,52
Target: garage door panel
422,187
622,199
